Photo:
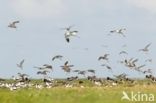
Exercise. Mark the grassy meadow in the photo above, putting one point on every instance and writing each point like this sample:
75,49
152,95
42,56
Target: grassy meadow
93,94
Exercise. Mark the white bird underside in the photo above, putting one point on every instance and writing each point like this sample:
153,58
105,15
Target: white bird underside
69,33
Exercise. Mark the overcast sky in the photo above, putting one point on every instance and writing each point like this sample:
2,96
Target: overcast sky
38,37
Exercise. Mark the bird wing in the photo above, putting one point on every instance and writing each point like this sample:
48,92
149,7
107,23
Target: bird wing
40,68
123,52
15,22
108,67
21,63
70,26
146,47
112,31
76,70
120,31
100,58
70,65
141,66
135,60
103,65
131,59
66,63
46,65
53,58
36,67
91,70
57,56
73,33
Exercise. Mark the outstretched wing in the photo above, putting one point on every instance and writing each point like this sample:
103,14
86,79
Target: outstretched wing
73,33
15,22
68,28
21,63
112,31
146,47
53,58
123,52
141,66
66,63
57,57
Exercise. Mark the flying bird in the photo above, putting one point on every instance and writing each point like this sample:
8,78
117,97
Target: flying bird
40,68
120,76
82,73
69,33
91,71
107,66
13,24
47,66
20,65
66,67
148,71
22,75
148,60
139,67
119,31
105,57
43,72
145,49
76,70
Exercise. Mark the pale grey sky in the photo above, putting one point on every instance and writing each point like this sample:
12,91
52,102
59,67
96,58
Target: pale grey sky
38,36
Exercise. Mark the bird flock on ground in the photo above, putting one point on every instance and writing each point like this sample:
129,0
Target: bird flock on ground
24,81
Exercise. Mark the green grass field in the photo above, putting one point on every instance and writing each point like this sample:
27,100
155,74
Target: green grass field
73,95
